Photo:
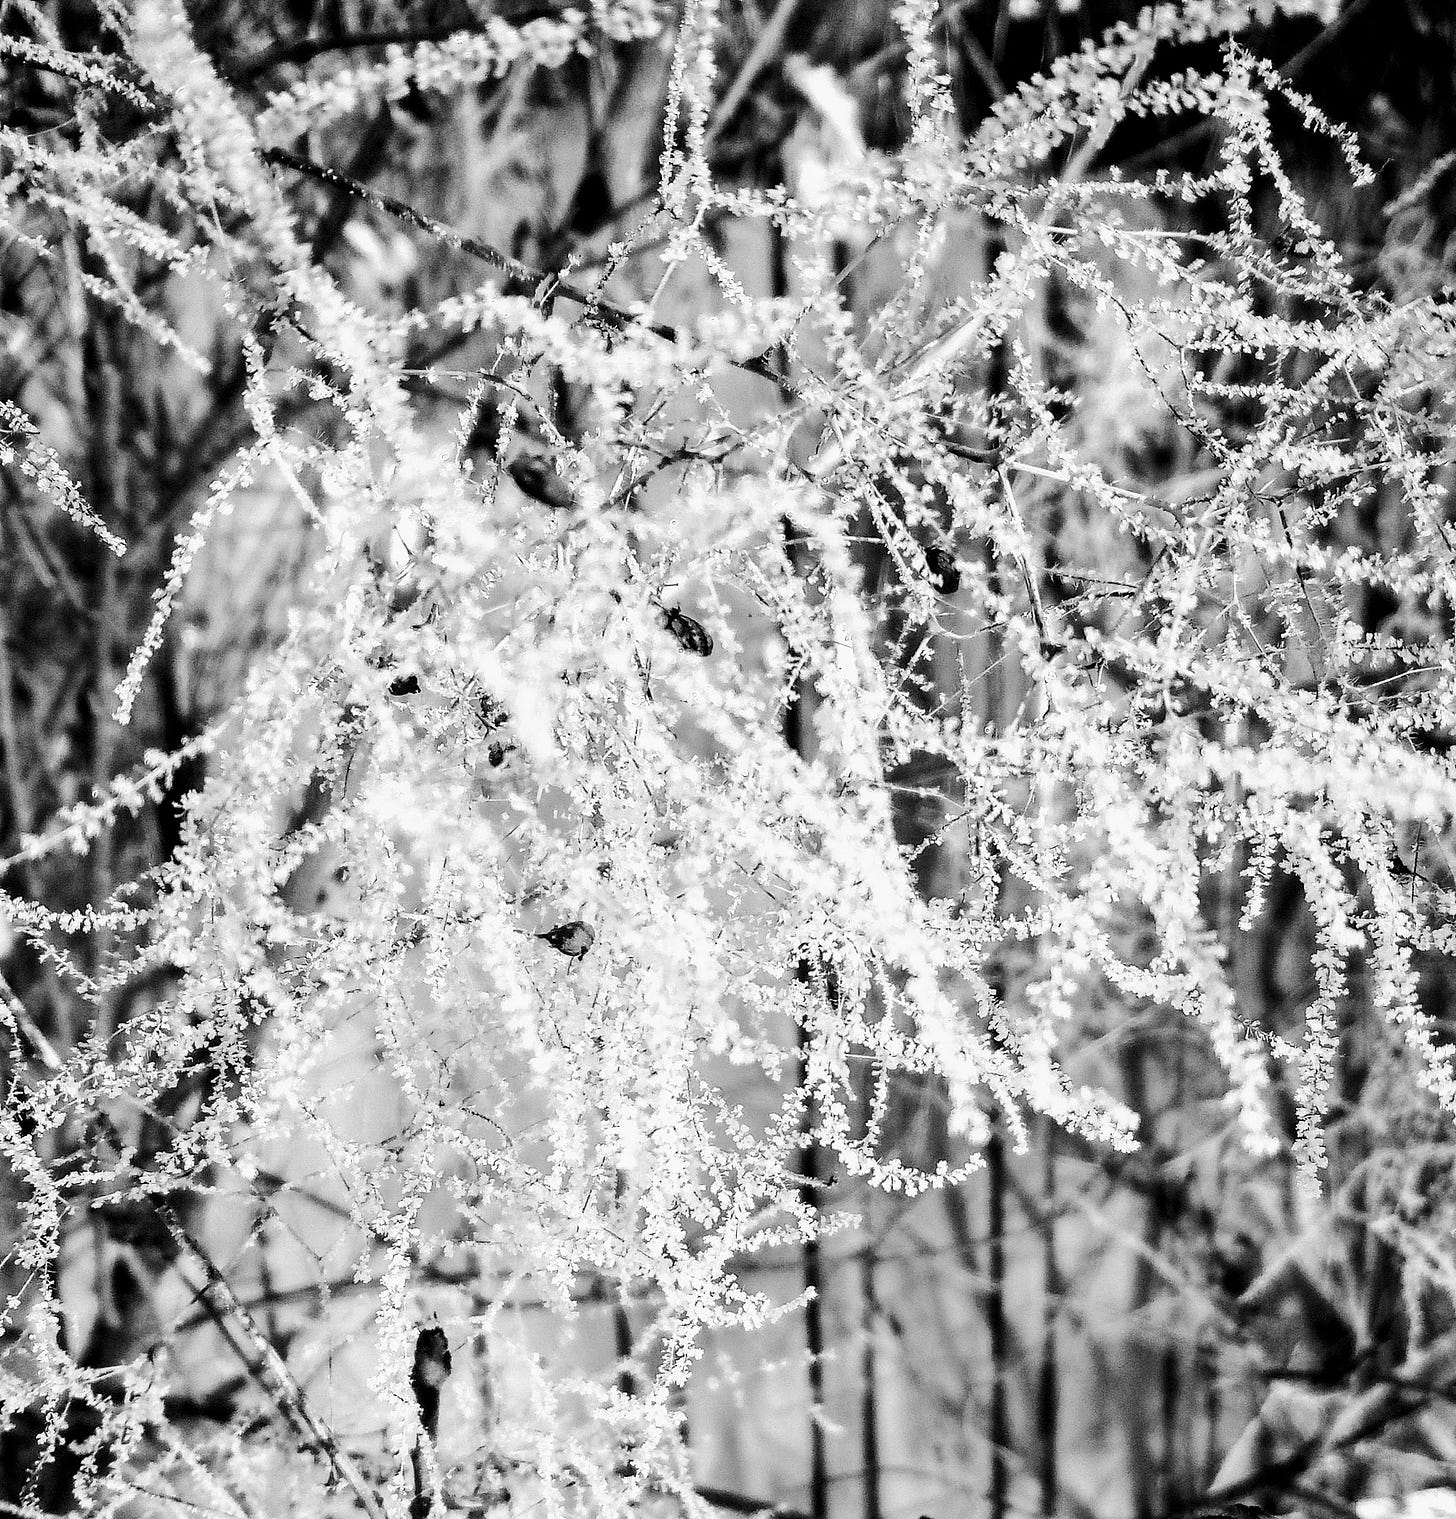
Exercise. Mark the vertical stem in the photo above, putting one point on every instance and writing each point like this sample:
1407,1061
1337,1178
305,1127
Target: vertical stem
996,1320
999,34
106,467
1171,1371
798,735
1139,1363
1170,1391
1001,700
1213,1417
869,1413
14,770
622,1328
814,1306
1048,1391
622,1337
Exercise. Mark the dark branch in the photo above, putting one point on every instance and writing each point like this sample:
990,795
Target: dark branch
522,276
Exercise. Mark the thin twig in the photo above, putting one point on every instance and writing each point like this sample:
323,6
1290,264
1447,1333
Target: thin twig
998,1433
27,1025
244,1335
10,743
236,1323
542,280
766,46
1033,595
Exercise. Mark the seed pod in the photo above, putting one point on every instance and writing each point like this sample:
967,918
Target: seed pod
572,939
416,104
691,635
429,1374
535,477
944,573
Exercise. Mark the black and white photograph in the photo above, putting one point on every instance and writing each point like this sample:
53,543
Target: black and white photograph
728,759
